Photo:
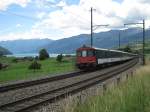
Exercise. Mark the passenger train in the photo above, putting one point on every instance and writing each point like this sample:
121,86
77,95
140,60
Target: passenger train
92,57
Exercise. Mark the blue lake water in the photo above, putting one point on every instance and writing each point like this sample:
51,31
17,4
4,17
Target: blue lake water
32,55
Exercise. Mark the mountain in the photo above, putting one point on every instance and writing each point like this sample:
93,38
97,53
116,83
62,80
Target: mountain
4,51
107,39
67,45
25,45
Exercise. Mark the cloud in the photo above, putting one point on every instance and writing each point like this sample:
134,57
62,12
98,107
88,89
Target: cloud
18,25
4,4
40,15
23,35
75,19
69,20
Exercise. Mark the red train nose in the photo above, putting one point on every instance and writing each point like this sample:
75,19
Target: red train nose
86,59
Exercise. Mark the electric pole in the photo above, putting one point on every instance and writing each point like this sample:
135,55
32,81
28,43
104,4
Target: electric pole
143,47
92,26
143,42
95,26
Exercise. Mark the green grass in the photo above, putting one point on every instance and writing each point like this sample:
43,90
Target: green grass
132,96
19,70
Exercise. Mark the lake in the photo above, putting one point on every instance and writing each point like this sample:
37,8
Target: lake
33,55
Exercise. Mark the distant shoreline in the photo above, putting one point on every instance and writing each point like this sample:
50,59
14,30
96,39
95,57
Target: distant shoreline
19,55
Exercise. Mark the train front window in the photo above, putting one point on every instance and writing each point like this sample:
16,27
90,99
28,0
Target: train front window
79,53
90,53
84,53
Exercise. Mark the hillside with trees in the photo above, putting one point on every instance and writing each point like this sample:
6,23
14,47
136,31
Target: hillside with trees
4,51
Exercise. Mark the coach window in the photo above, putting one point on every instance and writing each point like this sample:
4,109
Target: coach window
84,53
90,53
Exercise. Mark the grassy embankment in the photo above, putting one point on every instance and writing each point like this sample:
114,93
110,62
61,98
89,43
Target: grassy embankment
131,96
19,70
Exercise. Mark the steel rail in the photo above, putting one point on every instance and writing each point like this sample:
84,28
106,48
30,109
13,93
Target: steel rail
24,84
10,87
84,84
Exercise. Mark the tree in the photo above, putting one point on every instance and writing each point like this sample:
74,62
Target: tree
43,54
36,58
127,49
35,65
1,66
59,58
1,54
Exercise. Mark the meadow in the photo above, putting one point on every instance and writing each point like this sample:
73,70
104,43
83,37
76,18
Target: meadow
19,70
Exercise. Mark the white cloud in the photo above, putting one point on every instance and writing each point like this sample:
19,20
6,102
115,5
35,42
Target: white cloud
18,25
40,15
23,35
5,3
75,19
61,4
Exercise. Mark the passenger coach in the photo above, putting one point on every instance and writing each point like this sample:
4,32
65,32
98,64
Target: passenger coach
92,57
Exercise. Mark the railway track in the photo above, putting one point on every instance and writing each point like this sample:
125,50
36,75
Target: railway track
15,86
27,103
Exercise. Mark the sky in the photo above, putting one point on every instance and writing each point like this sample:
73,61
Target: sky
56,19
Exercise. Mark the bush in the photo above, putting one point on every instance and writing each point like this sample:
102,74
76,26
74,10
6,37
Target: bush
35,65
43,54
59,58
15,60
126,49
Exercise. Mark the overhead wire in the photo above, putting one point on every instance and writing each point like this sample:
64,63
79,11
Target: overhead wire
18,15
